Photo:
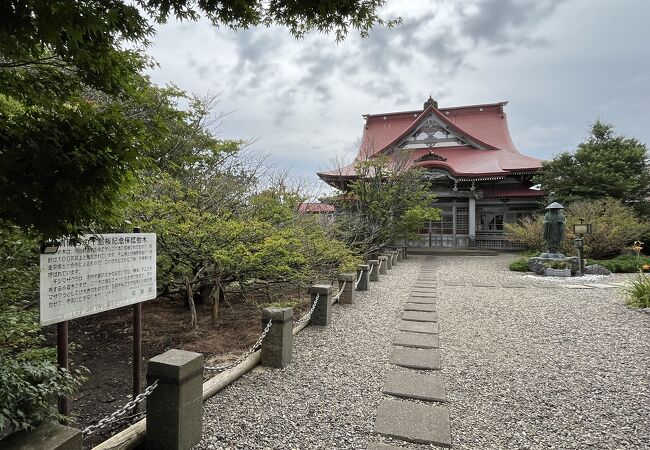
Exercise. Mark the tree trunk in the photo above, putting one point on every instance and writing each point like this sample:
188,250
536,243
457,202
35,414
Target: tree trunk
216,295
190,299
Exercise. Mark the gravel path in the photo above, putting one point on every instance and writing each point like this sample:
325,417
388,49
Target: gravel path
541,368
327,398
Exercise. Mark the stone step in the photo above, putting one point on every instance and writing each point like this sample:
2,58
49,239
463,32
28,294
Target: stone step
430,300
420,316
416,340
414,422
433,294
416,358
425,307
380,446
419,327
415,385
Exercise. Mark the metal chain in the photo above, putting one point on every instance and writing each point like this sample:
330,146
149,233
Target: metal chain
122,411
336,297
358,279
245,355
307,316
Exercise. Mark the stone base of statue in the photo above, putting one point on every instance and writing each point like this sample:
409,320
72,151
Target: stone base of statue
539,264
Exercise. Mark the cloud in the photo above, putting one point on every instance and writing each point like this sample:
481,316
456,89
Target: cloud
561,64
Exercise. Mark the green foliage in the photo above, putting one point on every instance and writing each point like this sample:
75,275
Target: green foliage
519,265
638,291
72,131
614,225
386,202
29,379
605,165
622,263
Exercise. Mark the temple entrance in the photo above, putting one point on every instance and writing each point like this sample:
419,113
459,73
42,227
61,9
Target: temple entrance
452,230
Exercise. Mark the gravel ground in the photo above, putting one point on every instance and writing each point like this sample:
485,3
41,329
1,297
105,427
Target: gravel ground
541,368
328,396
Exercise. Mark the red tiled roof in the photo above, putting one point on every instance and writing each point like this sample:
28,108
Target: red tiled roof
483,125
315,207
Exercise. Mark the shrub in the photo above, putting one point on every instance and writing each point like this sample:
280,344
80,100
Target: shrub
622,263
519,265
614,226
29,378
638,291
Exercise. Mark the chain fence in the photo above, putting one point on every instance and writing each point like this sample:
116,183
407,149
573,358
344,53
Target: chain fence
249,352
337,296
117,415
356,283
307,316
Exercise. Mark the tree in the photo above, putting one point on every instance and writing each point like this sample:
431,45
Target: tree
605,165
614,225
64,155
386,201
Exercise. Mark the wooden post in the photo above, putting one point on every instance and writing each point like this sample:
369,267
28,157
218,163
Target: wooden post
62,360
137,348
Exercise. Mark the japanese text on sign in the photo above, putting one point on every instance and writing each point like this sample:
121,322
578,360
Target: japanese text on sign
105,272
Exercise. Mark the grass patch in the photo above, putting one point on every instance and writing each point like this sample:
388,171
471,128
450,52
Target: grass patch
519,265
622,263
282,304
638,292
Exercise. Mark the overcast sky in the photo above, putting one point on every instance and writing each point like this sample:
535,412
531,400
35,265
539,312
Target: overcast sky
560,64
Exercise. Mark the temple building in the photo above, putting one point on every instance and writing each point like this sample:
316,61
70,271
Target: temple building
480,179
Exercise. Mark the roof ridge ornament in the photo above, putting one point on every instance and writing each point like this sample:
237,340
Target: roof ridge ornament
430,102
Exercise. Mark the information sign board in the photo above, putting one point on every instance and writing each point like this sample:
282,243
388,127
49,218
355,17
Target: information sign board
105,272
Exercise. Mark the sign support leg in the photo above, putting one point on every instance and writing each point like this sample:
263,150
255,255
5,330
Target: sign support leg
62,360
137,352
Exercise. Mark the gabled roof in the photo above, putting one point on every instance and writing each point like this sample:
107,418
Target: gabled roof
487,148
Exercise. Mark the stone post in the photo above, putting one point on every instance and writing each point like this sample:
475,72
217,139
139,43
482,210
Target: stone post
347,296
389,260
174,408
374,269
395,254
278,343
46,436
383,264
362,271
322,315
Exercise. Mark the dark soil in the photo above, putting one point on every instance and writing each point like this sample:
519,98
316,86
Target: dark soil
103,344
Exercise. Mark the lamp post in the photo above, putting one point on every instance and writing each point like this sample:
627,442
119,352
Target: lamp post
580,230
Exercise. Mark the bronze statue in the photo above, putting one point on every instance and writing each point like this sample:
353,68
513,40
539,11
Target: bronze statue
554,223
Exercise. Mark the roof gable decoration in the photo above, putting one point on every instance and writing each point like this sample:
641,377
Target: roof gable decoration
432,132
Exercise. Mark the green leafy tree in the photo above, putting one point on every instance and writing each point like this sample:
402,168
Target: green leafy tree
386,201
605,165
64,155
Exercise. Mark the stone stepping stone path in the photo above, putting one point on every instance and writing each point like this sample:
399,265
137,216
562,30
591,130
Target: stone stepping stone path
417,416
416,358
420,386
424,294
419,327
414,422
419,316
430,300
416,340
425,307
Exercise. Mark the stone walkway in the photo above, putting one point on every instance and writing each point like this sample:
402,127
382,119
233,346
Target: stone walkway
418,416
452,351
